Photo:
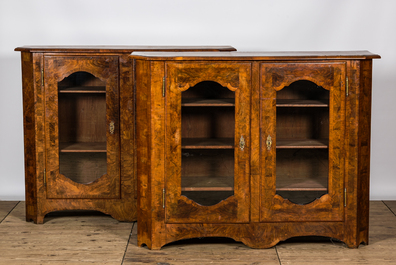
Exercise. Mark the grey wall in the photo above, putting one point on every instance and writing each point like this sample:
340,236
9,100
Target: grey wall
247,25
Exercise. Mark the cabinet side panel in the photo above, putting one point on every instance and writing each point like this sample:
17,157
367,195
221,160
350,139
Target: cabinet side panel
39,136
127,133
143,99
157,153
255,144
351,143
29,135
364,150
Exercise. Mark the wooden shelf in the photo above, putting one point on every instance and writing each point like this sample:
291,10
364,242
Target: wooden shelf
208,143
207,183
287,183
196,102
84,89
83,147
207,189
302,144
302,103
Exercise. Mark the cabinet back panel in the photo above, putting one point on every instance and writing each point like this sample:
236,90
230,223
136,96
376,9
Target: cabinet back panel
82,118
302,123
208,90
208,198
208,122
303,89
83,167
302,164
81,79
207,163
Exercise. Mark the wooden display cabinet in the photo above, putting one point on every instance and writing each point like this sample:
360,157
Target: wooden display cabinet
258,147
79,126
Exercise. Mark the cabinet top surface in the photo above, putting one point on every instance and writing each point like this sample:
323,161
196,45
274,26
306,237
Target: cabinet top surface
119,48
276,55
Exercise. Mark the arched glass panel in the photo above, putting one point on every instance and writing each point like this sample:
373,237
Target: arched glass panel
208,132
82,127
302,142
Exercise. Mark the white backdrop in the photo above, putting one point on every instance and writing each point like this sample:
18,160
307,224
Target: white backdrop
248,25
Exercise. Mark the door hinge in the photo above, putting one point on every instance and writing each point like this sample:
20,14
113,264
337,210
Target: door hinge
45,178
163,198
345,196
163,86
347,87
42,77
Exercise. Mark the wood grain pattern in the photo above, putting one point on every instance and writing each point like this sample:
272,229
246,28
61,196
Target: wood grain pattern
319,251
86,237
128,138
144,197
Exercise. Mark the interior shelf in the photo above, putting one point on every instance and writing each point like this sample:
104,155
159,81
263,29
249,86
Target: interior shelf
207,183
83,89
208,143
303,143
201,102
207,189
83,147
286,183
302,103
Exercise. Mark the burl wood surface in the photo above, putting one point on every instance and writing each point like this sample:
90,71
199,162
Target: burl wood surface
341,213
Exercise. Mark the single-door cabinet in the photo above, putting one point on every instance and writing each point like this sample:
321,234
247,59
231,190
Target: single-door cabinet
79,128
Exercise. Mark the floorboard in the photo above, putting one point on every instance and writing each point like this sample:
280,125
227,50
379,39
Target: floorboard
5,208
391,205
87,239
94,238
381,248
199,251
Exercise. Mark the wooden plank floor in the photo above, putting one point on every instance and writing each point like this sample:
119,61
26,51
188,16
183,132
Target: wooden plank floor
91,238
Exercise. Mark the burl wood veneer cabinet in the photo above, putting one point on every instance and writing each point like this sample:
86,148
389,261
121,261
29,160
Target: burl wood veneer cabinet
79,126
258,147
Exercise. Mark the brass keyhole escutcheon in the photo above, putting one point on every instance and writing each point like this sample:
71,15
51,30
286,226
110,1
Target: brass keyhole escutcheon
112,127
242,143
269,142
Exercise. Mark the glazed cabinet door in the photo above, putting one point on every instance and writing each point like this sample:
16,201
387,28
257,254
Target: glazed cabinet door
82,127
302,128
207,142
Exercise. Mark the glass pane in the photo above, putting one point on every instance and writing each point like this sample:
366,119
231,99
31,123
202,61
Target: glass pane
208,132
82,127
302,139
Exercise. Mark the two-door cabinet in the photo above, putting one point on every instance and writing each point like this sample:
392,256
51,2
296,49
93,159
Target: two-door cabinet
258,147
79,128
